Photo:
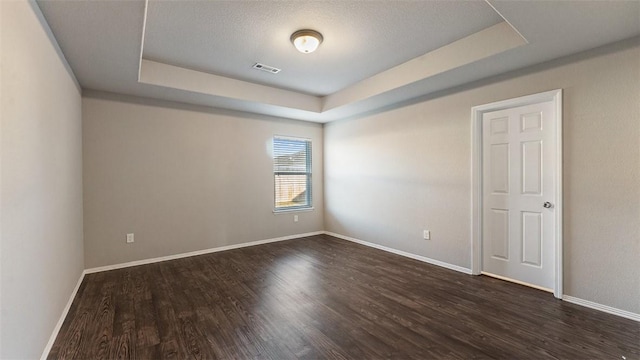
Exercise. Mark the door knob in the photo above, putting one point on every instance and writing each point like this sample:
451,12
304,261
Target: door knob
547,205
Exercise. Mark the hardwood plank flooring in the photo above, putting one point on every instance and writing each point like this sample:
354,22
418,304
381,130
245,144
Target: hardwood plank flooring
326,298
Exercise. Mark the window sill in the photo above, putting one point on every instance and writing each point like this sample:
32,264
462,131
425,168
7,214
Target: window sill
286,211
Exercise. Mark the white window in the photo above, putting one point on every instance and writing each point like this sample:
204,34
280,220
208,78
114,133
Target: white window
292,173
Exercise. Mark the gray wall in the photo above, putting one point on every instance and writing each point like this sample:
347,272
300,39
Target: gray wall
391,175
182,178
186,178
41,183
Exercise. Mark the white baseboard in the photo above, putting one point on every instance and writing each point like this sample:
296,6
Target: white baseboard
403,253
603,308
198,252
65,311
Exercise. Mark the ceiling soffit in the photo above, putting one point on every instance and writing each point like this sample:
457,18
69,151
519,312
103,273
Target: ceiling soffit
175,71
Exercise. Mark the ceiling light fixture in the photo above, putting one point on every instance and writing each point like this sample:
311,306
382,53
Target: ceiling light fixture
306,41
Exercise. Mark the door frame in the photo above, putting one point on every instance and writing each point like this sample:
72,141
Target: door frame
476,175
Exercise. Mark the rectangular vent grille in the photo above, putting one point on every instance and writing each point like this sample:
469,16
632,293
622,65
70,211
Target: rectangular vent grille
267,68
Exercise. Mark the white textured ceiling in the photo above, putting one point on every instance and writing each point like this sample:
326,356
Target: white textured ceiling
361,38
375,53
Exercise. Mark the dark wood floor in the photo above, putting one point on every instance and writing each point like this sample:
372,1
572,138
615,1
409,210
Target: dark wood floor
321,297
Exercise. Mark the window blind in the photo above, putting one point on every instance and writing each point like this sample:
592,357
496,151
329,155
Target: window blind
292,173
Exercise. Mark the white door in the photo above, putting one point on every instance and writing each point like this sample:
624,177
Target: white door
518,176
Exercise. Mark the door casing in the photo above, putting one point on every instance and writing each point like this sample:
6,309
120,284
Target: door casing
476,173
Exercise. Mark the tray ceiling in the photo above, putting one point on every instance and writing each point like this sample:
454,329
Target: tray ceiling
375,53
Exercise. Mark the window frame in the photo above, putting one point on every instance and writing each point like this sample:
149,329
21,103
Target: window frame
308,173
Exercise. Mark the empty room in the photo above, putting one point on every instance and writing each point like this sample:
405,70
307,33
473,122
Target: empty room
319,179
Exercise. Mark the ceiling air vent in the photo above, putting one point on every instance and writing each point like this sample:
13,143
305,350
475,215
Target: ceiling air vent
267,68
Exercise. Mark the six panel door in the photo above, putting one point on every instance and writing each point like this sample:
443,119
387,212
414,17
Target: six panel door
518,174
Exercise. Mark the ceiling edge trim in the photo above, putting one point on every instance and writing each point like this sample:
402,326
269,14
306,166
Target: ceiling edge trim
144,32
505,19
54,42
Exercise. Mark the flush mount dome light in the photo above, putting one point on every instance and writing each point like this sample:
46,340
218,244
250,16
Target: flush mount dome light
306,41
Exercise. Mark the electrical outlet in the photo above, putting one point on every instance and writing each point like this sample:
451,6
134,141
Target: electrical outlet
426,234
130,238
295,218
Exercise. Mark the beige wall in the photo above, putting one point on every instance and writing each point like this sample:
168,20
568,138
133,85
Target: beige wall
41,182
183,178
391,175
